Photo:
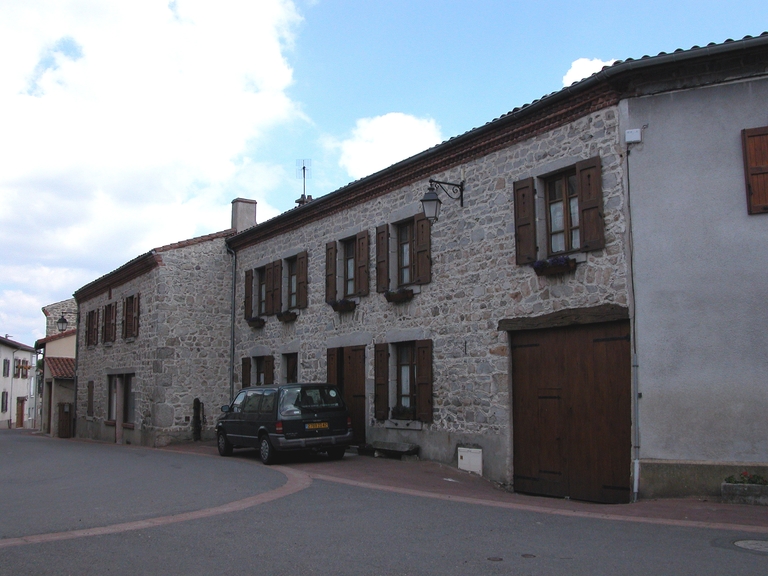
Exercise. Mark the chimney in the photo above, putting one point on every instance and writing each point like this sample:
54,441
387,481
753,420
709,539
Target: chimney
243,214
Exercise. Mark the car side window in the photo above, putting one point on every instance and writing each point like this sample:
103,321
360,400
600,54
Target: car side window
268,404
251,404
237,405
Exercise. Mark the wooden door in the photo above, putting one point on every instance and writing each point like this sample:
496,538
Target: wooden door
346,369
20,403
571,411
65,420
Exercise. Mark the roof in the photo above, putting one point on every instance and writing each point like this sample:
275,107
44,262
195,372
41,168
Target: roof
63,368
43,341
141,265
17,345
602,89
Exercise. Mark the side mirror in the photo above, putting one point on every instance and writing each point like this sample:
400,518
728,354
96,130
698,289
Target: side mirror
225,408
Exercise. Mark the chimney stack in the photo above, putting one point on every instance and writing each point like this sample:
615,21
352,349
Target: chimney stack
243,214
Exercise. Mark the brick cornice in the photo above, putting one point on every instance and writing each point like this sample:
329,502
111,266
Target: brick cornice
127,272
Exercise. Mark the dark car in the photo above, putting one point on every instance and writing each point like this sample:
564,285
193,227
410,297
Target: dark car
285,417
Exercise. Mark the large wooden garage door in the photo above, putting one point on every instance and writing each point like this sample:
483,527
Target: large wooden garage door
571,390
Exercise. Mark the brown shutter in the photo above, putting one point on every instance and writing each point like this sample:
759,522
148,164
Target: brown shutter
302,279
124,327
89,409
330,272
246,372
755,144
95,326
248,304
277,286
423,249
332,361
269,370
114,321
269,271
525,222
136,309
424,380
381,381
591,222
382,258
362,274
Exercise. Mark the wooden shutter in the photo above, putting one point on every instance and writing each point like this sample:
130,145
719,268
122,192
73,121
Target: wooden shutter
422,231
381,381
362,280
755,144
89,409
525,222
269,271
330,272
136,310
424,380
382,258
269,370
246,372
302,279
248,304
274,285
590,190
332,361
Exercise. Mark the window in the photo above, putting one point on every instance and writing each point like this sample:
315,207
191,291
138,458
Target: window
404,251
131,316
292,283
297,281
411,388
353,263
128,400
413,253
92,328
265,370
573,205
291,362
6,367
261,292
109,328
89,411
237,404
349,267
755,146
4,401
111,398
120,386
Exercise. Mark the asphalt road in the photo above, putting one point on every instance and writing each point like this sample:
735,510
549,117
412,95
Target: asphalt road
72,507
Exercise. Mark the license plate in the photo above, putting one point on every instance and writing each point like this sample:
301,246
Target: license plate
316,425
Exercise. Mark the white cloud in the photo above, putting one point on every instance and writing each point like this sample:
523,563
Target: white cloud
128,125
584,67
381,141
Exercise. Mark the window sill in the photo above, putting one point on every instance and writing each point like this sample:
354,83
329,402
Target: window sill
108,344
109,422
554,266
404,424
287,316
256,322
399,296
129,339
128,425
344,305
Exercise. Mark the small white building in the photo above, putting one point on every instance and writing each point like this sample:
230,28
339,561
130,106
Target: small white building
17,384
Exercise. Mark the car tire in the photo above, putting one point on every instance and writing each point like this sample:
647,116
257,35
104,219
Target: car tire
266,451
223,444
336,453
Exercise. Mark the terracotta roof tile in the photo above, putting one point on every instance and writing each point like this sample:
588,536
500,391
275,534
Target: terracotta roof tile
61,367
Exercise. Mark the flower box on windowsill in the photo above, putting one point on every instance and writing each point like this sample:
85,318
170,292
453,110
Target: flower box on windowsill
399,296
554,266
402,413
287,316
343,305
256,322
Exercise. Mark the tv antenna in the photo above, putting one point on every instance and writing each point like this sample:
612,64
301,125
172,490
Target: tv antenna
304,171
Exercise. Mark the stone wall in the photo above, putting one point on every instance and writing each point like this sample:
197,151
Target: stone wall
67,308
475,283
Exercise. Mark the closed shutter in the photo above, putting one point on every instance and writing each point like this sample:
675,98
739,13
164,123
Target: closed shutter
269,272
525,222
246,372
424,380
592,222
330,272
332,359
382,258
302,279
136,310
274,281
248,304
362,280
269,370
381,381
423,249
755,144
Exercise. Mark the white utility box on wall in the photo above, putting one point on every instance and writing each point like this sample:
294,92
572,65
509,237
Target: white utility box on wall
471,460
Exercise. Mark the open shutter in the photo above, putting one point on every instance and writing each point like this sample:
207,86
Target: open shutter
269,370
362,280
277,286
330,272
246,372
525,222
269,272
248,294
382,258
95,327
424,380
124,327
591,222
302,279
755,143
332,360
136,309
422,230
381,381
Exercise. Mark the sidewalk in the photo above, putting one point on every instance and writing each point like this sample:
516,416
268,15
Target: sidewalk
431,479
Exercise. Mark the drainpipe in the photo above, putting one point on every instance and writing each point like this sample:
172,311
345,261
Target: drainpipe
77,357
233,255
635,364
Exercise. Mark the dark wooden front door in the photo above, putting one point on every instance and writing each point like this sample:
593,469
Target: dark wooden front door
346,369
20,404
571,397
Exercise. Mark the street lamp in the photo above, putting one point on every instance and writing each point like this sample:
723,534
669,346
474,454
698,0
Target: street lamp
431,202
62,323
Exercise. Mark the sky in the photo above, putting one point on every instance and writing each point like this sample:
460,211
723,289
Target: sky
125,126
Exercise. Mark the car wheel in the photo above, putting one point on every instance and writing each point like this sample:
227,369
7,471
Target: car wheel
266,451
336,453
223,444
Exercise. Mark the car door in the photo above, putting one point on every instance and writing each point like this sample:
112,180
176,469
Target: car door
250,422
233,419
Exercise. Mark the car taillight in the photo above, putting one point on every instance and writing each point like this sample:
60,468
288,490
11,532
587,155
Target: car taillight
279,427
349,422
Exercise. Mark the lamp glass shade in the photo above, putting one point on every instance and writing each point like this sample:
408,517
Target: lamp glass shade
430,204
62,324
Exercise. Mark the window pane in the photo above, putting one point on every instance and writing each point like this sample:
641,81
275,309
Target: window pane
558,242
574,208
556,216
555,189
350,276
572,185
575,241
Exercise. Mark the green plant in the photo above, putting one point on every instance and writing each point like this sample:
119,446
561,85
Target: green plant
747,478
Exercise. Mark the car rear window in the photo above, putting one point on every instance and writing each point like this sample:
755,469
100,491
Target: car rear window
294,400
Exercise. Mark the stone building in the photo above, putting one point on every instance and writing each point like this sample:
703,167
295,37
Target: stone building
536,320
153,346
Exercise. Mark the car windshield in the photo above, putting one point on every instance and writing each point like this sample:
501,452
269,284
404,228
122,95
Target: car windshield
294,400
